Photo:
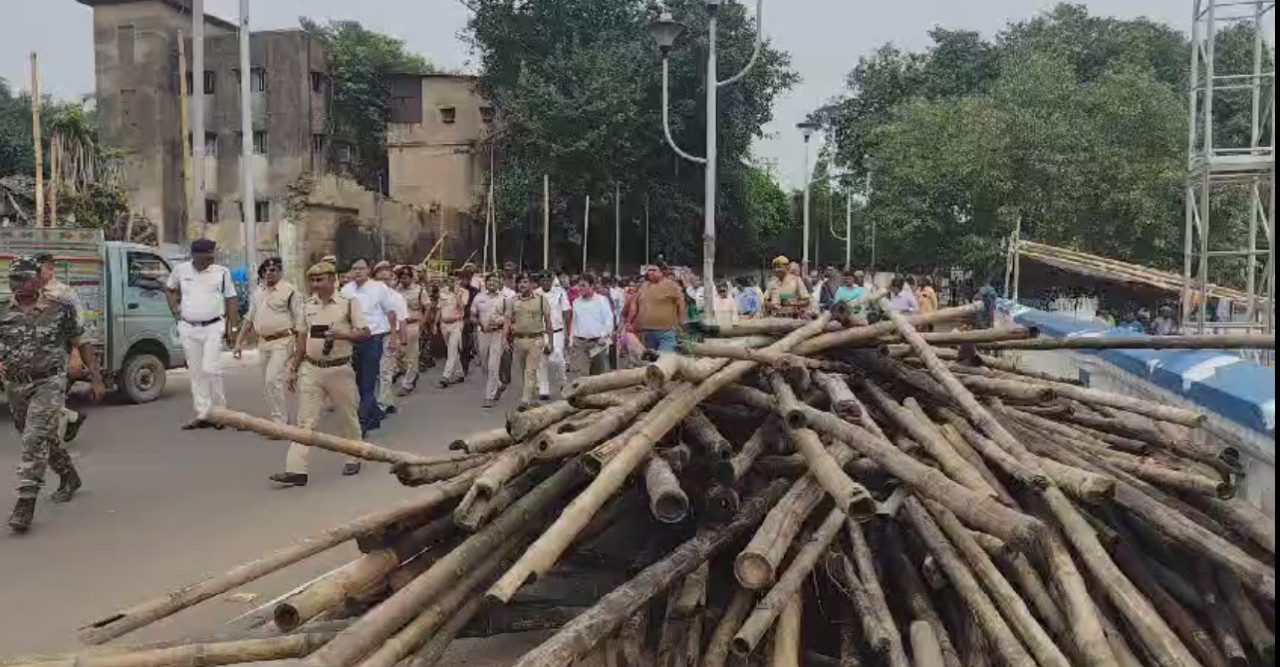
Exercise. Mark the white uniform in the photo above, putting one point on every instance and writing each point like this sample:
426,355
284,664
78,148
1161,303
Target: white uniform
202,326
554,364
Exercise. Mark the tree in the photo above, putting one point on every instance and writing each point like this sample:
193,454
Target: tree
361,62
578,86
16,154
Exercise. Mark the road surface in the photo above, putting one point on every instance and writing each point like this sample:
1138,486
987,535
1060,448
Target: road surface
162,508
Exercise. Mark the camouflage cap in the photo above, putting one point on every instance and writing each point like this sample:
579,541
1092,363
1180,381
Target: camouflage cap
322,269
23,269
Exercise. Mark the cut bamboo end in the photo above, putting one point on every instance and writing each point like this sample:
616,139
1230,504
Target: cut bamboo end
667,501
754,571
722,503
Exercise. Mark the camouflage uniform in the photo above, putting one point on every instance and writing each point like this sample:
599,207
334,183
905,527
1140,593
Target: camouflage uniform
35,348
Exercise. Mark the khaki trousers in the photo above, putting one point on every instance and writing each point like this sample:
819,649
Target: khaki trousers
274,358
491,346
407,360
526,355
453,343
338,385
386,392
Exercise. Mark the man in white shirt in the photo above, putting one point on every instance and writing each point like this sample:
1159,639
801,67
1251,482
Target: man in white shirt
590,330
377,301
202,297
557,297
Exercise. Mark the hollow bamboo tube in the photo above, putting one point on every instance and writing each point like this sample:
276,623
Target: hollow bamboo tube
786,638
841,398
874,631
993,453
1150,409
913,590
612,420
971,455
521,425
667,501
150,611
1012,606
705,434
962,579
787,405
508,465
730,472
924,646
312,438
717,653
869,334
221,653
788,587
1181,342
850,497
595,384
979,511
484,441
578,636
860,550
418,474
381,621
1013,390
994,334
662,370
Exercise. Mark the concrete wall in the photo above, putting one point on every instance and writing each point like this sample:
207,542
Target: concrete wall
347,221
437,164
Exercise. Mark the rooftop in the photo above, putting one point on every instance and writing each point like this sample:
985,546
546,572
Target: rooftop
180,5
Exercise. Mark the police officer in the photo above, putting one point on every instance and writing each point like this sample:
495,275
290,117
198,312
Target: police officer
51,288
489,315
321,368
451,309
415,299
36,338
275,315
528,334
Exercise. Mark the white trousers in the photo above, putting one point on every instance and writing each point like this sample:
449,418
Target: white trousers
552,365
203,349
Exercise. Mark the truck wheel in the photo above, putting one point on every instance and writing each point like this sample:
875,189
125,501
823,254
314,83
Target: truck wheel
143,378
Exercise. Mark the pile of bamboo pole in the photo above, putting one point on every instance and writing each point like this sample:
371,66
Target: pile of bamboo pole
783,493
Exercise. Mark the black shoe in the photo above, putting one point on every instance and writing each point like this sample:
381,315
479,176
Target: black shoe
501,388
290,478
391,410
23,512
349,469
73,428
489,403
444,384
67,486
197,424
544,397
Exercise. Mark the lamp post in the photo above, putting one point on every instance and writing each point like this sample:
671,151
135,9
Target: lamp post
807,129
665,31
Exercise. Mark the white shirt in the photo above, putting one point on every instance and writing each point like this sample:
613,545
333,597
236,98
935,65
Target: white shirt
402,307
593,317
558,300
204,293
508,293
376,300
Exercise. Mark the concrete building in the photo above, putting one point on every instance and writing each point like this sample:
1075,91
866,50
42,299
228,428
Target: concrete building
137,73
437,154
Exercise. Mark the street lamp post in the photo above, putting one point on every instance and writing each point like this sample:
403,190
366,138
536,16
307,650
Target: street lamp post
807,129
665,30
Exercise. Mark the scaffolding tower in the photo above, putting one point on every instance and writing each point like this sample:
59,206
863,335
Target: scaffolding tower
1222,175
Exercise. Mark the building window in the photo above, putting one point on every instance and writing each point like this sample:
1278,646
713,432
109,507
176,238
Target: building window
211,144
211,210
317,82
124,44
317,144
448,115
210,82
259,143
262,210
257,79
190,89
486,114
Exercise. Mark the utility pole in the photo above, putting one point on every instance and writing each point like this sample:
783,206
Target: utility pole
35,137
197,114
586,229
848,229
646,229
617,228
873,221
248,198
184,128
55,165
546,222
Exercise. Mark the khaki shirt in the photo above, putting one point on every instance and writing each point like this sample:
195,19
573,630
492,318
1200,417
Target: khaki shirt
528,314
276,309
415,298
341,313
787,291
451,305
489,310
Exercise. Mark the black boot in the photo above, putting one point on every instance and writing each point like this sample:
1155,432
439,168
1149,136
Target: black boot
23,512
67,487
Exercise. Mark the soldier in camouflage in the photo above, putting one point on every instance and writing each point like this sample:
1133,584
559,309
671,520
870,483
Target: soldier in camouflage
36,338
51,288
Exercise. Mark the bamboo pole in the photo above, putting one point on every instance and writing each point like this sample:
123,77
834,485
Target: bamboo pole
222,653
595,384
578,636
788,586
730,472
875,632
612,420
1153,410
850,497
55,177
1251,623
861,335
843,403
313,438
521,425
667,501
1221,620
705,434
924,645
38,143
786,639
870,577
717,653
483,442
150,611
913,590
1180,342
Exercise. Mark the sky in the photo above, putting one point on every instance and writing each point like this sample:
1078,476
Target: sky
825,39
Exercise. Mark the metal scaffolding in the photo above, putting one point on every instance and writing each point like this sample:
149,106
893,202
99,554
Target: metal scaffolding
1230,176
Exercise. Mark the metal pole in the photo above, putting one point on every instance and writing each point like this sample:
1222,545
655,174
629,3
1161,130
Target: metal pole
617,228
873,220
848,229
184,125
709,206
38,217
546,222
646,229
1017,257
586,229
804,254
197,113
489,227
248,197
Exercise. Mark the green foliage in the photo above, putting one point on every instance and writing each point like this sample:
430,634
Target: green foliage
16,154
578,87
362,61
1074,123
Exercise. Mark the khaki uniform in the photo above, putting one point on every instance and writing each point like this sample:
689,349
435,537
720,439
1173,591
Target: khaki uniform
490,314
415,297
527,316
327,376
784,294
450,308
276,314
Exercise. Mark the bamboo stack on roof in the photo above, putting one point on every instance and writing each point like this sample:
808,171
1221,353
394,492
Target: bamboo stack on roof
851,508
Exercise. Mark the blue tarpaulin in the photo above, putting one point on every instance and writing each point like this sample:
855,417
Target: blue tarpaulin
1218,380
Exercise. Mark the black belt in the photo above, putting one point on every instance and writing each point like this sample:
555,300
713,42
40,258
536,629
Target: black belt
278,335
590,340
528,335
26,378
329,363
204,323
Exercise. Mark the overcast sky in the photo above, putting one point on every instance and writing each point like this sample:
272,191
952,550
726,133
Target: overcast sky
824,37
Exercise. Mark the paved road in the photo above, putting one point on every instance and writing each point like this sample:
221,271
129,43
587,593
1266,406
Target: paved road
162,508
